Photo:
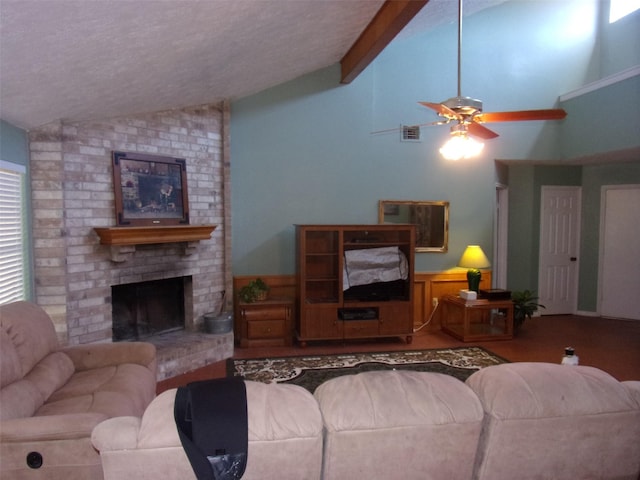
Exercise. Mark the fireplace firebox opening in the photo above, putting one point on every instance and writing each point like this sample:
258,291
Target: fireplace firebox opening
143,309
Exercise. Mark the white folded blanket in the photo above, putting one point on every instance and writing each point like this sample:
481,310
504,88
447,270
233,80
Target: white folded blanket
372,265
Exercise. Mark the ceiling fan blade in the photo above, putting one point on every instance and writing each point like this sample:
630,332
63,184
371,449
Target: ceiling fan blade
441,109
549,114
478,130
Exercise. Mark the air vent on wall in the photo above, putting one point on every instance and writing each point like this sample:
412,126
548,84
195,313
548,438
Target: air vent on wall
410,133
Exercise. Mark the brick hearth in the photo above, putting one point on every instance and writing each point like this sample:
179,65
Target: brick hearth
181,352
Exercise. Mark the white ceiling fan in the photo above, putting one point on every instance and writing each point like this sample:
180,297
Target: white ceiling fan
467,112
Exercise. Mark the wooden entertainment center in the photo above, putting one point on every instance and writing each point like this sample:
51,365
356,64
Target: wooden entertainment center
332,299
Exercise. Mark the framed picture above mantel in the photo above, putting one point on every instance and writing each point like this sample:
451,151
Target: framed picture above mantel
150,190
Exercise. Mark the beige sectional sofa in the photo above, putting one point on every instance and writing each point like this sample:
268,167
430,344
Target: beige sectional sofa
51,398
520,420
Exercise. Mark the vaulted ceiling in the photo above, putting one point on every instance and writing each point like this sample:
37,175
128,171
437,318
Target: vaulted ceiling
92,59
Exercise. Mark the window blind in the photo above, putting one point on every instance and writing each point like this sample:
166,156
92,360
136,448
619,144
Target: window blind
12,258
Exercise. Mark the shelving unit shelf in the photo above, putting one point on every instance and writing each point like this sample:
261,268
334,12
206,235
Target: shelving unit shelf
326,308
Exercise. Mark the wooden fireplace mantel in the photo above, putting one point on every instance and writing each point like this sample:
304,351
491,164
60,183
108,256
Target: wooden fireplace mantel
115,236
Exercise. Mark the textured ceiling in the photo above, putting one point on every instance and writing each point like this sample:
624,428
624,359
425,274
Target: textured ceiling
92,59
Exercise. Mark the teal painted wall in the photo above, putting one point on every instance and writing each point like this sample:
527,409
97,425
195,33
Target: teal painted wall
303,152
13,144
619,42
604,120
521,256
609,118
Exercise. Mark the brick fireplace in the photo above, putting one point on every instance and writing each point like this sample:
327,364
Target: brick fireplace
72,194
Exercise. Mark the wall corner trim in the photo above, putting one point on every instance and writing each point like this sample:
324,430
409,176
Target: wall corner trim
603,82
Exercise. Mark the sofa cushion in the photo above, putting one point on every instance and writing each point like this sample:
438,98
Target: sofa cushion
377,424
51,428
10,368
554,421
113,391
391,399
275,412
285,438
90,356
22,398
30,332
51,373
543,390
19,400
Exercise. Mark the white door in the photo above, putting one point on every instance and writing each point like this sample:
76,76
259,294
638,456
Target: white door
620,251
559,242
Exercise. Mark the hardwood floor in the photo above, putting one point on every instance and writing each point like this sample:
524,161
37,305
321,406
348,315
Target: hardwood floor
609,344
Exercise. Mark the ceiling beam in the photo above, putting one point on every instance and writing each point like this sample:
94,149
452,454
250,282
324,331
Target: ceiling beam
388,22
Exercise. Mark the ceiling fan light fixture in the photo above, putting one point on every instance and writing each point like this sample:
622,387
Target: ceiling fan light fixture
461,145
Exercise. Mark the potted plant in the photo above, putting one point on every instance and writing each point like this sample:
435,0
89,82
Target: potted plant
253,291
525,304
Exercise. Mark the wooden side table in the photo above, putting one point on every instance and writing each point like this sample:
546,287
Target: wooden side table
475,320
266,323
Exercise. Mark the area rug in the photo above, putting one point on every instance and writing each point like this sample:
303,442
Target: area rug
311,371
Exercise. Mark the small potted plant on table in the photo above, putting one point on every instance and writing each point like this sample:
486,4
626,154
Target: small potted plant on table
255,290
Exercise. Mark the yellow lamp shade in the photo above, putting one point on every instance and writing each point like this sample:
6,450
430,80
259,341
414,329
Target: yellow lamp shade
474,259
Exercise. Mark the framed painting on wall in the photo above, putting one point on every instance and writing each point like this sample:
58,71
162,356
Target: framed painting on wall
150,190
431,219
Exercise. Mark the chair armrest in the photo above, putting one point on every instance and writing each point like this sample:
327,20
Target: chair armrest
96,355
118,433
49,427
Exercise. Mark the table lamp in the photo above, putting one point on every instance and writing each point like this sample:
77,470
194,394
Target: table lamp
474,259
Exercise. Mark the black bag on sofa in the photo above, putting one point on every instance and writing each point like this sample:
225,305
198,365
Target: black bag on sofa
211,417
